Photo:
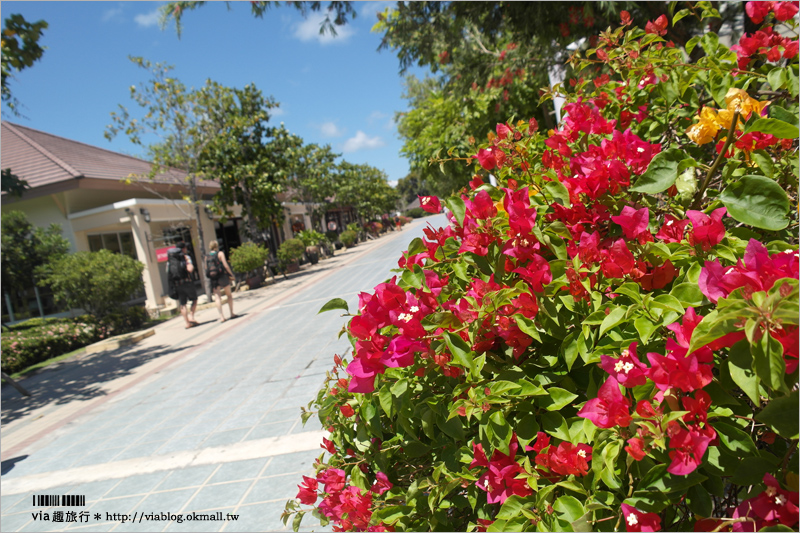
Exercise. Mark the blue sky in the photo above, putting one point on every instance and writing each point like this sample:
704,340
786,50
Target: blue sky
338,91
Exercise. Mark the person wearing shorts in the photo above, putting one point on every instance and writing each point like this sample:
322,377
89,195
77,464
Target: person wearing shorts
223,281
186,291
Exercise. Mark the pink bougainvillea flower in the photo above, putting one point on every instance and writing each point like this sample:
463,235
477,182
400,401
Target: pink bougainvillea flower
675,371
610,408
775,506
634,222
688,447
500,481
333,479
431,204
382,484
486,158
503,131
636,520
788,337
618,261
536,273
707,230
308,491
627,369
784,10
568,459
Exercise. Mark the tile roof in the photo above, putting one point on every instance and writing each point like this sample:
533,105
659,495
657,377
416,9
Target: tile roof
44,159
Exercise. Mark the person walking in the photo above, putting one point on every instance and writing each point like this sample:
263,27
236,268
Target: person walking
181,286
219,272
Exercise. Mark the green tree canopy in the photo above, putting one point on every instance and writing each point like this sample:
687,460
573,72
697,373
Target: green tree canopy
97,282
21,49
26,249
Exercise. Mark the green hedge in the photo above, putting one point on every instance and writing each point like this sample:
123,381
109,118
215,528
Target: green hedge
38,339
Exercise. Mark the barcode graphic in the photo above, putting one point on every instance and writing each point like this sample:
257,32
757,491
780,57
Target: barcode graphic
59,500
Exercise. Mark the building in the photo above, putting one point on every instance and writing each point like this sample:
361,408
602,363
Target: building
96,198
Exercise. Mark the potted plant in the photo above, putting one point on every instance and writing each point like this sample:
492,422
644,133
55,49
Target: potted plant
311,240
289,254
249,259
348,238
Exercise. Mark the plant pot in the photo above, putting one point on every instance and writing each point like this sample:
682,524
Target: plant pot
293,267
338,245
312,252
255,281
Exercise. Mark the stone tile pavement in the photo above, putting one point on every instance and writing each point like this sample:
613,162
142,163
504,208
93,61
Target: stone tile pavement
199,423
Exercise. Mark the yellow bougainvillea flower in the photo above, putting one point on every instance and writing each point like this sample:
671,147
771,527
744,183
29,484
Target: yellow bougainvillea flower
739,100
706,128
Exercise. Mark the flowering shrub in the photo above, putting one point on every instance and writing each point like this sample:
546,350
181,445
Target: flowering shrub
37,340
608,340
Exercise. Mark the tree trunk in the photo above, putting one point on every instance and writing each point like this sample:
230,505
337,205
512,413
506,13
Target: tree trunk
252,226
200,235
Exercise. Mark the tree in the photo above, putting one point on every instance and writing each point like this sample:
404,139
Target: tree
183,121
26,250
411,186
21,49
364,188
313,180
97,282
250,160
339,10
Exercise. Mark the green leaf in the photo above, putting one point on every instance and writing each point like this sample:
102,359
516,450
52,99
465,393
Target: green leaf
659,480
462,354
416,246
661,173
699,501
776,78
781,414
740,366
669,302
764,162
513,506
501,432
751,470
557,399
615,317
768,362
645,328
557,191
336,303
734,439
773,126
569,508
688,294
757,201
457,206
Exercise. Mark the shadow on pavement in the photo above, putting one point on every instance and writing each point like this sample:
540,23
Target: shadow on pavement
9,464
80,378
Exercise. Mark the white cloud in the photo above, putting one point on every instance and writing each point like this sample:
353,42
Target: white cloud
111,14
146,20
329,129
369,10
362,142
308,30
277,112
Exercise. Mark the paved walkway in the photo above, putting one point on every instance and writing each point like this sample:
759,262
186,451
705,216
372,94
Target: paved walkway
193,422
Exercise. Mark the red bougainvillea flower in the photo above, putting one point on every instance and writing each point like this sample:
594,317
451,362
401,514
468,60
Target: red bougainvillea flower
633,222
328,445
627,369
431,204
672,230
772,507
636,520
783,10
758,11
308,491
382,484
788,337
610,408
707,231
635,448
491,157
347,410
333,479
618,261
675,371
500,480
568,459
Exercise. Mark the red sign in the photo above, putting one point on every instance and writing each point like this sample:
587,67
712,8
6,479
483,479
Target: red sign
161,254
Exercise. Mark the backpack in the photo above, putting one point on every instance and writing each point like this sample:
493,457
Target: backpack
213,266
176,265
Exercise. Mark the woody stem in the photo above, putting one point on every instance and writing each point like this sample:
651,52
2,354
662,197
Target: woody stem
699,197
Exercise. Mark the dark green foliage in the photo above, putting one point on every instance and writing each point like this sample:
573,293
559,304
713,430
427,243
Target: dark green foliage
248,257
97,282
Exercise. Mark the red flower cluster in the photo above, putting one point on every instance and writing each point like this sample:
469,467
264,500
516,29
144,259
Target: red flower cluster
347,506
766,43
566,459
500,480
775,506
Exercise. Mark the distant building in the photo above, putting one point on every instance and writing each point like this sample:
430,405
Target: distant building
88,191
